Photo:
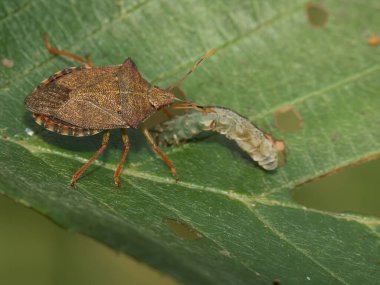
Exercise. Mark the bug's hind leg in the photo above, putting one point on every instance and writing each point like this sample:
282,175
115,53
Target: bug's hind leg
105,140
164,157
85,60
124,136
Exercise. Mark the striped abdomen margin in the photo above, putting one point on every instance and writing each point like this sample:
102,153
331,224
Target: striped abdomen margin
62,128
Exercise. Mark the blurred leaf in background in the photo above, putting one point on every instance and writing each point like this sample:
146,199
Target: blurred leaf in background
36,251
355,190
306,62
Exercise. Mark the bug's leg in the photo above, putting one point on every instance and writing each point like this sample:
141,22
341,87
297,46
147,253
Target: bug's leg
85,60
193,106
105,140
164,157
182,98
125,139
167,113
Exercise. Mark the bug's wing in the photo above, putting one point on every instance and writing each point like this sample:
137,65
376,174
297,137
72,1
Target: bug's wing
86,98
88,114
135,104
52,93
95,104
47,99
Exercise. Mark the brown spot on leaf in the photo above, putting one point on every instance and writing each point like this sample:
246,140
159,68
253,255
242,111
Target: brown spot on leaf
288,119
276,282
7,63
317,15
182,229
374,41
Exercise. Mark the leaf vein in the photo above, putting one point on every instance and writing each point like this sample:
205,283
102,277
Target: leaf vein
348,80
282,237
245,199
24,74
16,11
231,42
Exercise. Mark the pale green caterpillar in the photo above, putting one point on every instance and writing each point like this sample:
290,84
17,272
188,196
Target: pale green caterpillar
258,145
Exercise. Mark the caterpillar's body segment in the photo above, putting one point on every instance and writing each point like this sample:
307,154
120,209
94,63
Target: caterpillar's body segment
258,145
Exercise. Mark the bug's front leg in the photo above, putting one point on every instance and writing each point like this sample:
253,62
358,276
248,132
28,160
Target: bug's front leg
105,140
150,140
125,138
87,62
193,106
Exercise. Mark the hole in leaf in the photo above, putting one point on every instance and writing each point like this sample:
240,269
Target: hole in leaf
317,15
374,41
7,63
182,229
356,190
288,119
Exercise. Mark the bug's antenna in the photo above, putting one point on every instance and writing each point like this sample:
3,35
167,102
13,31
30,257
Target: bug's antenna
199,61
178,99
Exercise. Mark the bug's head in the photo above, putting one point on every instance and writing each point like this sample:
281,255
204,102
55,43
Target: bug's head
160,97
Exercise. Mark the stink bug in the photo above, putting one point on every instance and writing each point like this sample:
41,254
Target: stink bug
86,100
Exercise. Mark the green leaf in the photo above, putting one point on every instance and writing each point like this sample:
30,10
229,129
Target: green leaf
227,221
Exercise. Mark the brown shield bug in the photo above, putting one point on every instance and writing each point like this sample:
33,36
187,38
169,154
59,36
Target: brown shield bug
86,100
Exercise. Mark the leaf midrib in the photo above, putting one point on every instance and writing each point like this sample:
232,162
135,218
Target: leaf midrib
247,200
